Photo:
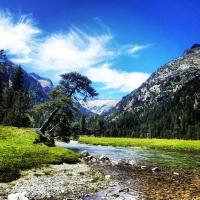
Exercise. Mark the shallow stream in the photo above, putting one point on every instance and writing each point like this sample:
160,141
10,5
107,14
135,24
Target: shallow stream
183,160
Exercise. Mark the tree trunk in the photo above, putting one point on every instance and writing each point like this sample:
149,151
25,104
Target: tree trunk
52,129
48,121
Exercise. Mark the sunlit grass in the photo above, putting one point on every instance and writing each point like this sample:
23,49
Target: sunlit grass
18,152
164,144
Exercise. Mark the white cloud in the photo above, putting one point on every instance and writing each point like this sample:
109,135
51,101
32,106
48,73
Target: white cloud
74,50
22,59
116,79
63,52
134,49
18,37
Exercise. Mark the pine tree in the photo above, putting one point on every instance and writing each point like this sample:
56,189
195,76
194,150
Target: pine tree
1,96
3,82
18,80
16,101
63,122
7,106
82,124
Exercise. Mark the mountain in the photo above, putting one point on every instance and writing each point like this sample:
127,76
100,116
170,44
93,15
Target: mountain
99,106
46,83
83,110
38,87
166,105
163,83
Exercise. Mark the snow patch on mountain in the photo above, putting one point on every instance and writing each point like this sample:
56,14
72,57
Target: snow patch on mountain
99,106
46,83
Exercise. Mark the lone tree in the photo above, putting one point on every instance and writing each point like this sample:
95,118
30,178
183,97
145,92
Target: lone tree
71,87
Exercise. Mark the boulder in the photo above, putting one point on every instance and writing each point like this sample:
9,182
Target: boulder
114,163
155,169
123,162
93,160
17,196
84,153
132,162
124,190
103,158
107,177
88,158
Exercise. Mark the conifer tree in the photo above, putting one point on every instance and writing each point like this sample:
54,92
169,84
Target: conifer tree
16,101
82,124
18,80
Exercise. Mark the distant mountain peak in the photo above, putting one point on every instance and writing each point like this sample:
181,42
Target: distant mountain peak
46,83
195,48
99,106
196,45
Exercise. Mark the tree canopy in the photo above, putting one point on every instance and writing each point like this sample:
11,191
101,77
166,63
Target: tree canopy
71,87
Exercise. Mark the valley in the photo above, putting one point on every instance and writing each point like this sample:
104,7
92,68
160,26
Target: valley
63,142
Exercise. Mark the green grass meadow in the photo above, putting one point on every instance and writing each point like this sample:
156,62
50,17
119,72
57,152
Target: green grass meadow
17,152
163,144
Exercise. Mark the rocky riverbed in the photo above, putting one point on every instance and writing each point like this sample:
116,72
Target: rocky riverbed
66,181
98,178
86,180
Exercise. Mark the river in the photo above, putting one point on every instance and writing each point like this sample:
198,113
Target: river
178,160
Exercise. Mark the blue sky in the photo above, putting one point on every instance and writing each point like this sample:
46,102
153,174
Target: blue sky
116,43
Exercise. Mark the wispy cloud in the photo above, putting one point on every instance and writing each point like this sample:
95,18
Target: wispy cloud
116,79
18,36
72,50
134,49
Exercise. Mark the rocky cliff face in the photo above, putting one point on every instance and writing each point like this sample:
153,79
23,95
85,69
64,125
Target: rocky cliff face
163,83
46,83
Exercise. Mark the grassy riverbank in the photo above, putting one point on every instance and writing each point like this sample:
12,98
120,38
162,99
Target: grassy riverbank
17,152
163,144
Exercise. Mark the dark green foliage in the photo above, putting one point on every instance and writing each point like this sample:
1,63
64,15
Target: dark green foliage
75,130
18,79
3,81
60,108
45,139
178,117
73,84
63,127
8,174
15,102
82,125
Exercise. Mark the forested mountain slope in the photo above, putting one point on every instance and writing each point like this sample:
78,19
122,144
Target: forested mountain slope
163,83
166,105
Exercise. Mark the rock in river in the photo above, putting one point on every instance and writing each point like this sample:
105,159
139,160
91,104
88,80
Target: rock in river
103,158
132,162
84,153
